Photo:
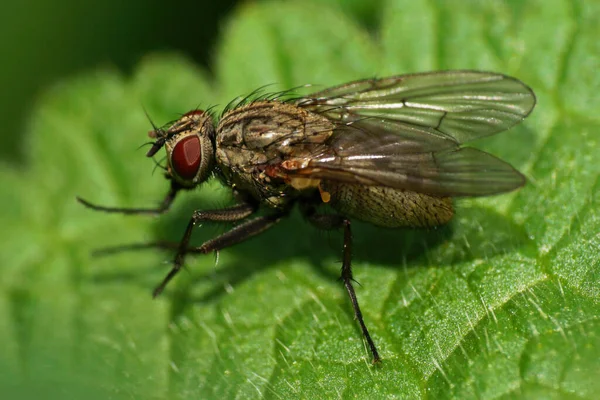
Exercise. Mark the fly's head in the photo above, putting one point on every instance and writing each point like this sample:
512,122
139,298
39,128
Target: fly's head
189,145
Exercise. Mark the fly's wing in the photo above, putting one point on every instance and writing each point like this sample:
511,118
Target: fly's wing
405,132
456,105
356,156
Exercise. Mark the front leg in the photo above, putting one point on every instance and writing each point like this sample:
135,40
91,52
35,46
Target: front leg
161,209
333,221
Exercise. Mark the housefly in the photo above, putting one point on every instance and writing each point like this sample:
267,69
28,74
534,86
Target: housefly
386,151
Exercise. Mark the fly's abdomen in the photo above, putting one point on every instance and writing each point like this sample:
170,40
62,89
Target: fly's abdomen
389,207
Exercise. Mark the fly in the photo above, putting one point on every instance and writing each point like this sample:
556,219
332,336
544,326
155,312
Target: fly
385,151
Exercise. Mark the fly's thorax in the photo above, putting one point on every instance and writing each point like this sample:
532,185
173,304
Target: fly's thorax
272,124
388,207
252,141
189,146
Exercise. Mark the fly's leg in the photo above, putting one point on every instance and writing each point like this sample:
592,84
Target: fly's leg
207,246
163,207
347,279
329,222
235,235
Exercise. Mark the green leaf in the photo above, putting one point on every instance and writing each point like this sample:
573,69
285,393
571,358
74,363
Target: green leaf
502,303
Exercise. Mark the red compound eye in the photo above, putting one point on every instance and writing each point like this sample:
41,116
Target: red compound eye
186,157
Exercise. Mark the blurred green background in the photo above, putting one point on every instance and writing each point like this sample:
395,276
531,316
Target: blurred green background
45,41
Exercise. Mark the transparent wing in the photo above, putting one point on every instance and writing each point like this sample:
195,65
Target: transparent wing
428,109
405,132
362,157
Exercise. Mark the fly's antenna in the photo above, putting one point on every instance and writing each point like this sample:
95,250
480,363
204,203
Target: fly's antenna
156,133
